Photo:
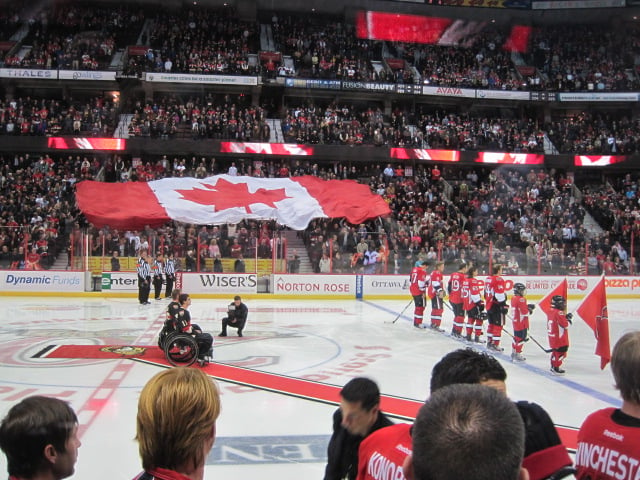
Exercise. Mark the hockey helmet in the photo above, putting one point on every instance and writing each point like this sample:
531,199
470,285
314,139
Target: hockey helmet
519,289
558,301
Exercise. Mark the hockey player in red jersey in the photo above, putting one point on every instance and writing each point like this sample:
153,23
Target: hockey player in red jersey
419,279
558,332
436,294
520,312
609,439
473,304
455,298
495,297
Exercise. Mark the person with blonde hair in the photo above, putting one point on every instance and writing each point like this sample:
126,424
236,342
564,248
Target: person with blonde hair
176,424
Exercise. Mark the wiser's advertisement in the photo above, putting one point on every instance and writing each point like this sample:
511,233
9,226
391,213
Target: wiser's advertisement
227,283
38,281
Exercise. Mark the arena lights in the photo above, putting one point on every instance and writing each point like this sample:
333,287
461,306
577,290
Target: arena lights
79,143
284,149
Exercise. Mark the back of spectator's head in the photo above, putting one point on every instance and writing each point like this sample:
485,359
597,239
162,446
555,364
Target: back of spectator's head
361,390
39,437
544,456
625,365
474,419
176,421
468,366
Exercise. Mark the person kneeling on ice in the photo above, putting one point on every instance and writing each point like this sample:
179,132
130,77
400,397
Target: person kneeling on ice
520,317
236,316
558,332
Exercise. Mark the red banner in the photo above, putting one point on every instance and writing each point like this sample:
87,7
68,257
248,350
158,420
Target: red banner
6,46
426,154
73,143
138,50
395,63
526,70
266,148
510,158
274,56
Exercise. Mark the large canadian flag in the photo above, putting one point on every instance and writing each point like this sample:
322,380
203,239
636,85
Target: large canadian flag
223,199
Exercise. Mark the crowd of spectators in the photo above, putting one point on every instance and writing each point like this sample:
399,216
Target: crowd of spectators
536,217
327,47
77,37
344,124
587,57
582,133
532,222
45,116
206,117
37,207
199,41
232,117
588,133
479,63
216,41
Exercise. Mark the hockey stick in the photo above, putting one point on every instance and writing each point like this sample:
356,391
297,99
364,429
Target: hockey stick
545,350
403,310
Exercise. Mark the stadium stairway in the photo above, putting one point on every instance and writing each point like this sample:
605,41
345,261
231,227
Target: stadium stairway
591,226
295,244
122,130
275,135
61,262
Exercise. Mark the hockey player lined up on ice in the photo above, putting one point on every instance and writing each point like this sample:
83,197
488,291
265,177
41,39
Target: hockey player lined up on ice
558,332
473,304
495,297
455,298
520,312
436,294
419,279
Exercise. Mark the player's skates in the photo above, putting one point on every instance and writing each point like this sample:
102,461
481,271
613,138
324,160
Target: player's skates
517,357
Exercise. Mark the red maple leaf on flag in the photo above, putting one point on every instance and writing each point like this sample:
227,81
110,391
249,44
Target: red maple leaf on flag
225,195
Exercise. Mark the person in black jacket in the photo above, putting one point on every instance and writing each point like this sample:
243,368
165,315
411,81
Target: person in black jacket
236,316
358,416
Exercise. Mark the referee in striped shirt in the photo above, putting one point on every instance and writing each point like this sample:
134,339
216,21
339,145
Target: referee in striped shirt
144,278
169,274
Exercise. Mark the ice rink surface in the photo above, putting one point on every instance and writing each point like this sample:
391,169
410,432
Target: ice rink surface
261,434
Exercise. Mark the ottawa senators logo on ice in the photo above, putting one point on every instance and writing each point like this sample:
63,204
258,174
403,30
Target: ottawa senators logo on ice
124,350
